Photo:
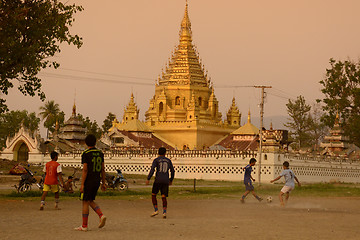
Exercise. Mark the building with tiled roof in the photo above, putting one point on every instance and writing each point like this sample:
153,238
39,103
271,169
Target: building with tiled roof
337,143
73,130
245,138
131,132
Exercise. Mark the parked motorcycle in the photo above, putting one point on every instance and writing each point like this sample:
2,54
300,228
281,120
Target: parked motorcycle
117,182
26,181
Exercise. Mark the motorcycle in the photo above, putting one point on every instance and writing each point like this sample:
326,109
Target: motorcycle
26,181
117,182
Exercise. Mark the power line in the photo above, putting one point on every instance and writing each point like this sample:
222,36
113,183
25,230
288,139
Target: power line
282,97
285,93
106,74
79,78
233,86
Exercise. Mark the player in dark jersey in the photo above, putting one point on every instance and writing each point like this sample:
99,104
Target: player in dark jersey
162,181
247,181
93,171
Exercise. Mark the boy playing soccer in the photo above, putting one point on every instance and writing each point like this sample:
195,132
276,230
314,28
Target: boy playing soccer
52,171
247,181
289,183
162,165
93,171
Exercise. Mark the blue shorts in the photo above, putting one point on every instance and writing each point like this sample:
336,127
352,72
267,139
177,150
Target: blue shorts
248,186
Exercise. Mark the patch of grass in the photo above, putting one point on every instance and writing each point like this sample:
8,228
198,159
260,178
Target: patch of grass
15,194
208,190
328,190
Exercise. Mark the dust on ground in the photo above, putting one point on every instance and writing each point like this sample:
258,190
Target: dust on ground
303,218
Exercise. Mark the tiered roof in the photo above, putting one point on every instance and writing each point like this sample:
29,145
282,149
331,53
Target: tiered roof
244,138
131,111
184,67
247,129
73,129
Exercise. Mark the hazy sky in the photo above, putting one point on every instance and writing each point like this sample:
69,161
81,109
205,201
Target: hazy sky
282,43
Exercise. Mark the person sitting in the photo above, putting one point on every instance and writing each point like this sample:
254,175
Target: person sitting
68,186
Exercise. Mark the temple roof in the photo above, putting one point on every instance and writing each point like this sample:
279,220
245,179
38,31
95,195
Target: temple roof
184,66
131,111
72,129
241,144
134,125
247,129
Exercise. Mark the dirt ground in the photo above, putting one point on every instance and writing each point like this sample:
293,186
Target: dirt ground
303,218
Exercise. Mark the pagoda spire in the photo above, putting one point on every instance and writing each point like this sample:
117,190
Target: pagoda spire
185,31
131,111
184,66
74,110
233,115
337,118
74,107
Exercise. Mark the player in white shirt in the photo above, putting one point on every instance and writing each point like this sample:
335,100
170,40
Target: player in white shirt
289,183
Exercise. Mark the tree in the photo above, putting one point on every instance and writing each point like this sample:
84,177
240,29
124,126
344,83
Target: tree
318,129
300,121
107,124
341,87
51,113
11,122
31,32
91,126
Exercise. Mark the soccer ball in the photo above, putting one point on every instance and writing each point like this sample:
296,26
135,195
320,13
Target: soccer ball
269,199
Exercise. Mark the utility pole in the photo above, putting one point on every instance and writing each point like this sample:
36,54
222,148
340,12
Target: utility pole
261,126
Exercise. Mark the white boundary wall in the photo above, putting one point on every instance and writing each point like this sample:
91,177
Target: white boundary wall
225,165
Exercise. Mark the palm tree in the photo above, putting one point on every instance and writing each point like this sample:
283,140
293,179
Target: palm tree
49,113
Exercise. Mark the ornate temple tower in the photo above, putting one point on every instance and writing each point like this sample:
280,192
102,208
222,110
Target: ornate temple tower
233,115
131,112
336,141
73,130
184,109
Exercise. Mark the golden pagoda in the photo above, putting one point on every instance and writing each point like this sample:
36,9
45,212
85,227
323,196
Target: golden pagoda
131,112
233,115
184,109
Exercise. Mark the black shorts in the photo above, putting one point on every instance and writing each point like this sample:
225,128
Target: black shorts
90,191
162,187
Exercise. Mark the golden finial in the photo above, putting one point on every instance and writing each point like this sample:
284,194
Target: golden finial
57,126
74,107
337,118
185,32
249,118
74,110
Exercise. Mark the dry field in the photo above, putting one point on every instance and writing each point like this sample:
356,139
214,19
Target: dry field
212,215
303,218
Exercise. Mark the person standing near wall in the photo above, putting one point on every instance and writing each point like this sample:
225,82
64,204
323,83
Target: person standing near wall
162,165
53,172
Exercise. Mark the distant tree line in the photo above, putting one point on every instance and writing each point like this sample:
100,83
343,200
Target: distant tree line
51,115
341,89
